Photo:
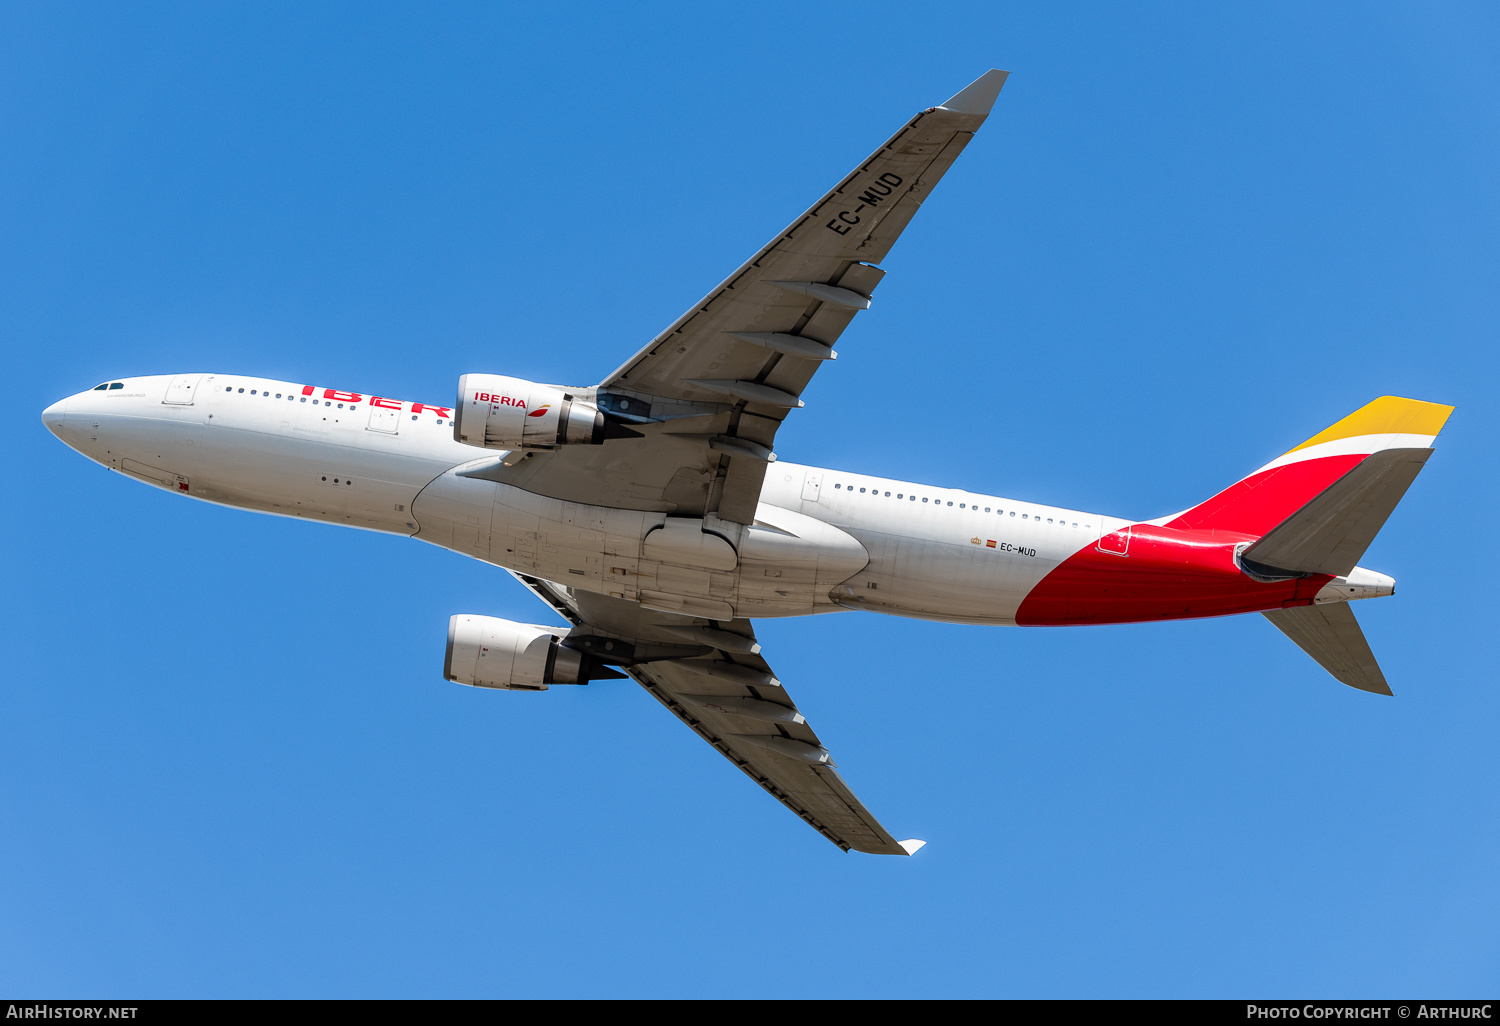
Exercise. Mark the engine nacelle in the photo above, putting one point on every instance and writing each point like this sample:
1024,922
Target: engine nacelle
488,652
497,412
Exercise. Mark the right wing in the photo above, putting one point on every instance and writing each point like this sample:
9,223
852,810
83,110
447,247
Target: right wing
757,727
714,680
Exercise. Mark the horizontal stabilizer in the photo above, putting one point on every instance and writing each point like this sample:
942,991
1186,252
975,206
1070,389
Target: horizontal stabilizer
1330,533
1331,635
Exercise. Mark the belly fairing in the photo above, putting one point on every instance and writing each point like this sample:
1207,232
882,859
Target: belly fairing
784,565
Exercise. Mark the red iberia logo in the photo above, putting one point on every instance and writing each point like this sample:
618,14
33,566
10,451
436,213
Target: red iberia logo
499,400
540,412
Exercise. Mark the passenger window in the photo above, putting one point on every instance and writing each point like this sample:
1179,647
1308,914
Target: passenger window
924,500
242,390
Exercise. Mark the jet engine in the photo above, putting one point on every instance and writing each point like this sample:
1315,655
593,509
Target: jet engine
488,652
497,412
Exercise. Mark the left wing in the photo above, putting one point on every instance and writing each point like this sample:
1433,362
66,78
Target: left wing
709,392
789,302
714,680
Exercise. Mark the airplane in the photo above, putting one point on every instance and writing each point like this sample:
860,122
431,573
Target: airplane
651,514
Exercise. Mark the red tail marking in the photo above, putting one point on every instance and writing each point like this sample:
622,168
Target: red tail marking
1261,501
1168,574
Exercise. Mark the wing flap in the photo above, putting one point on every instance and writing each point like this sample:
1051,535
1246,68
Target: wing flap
740,492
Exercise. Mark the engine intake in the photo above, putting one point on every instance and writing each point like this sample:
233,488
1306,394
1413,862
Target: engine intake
488,652
497,412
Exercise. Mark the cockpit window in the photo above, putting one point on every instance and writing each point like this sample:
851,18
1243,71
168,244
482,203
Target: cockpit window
100,388
108,385
117,384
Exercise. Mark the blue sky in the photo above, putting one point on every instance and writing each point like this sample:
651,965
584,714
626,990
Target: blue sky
1189,237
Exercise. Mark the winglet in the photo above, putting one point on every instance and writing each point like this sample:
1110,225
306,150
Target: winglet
979,95
912,845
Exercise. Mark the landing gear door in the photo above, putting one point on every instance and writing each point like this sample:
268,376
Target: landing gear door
180,390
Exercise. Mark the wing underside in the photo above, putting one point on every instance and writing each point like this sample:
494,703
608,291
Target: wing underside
815,792
704,400
709,392
733,701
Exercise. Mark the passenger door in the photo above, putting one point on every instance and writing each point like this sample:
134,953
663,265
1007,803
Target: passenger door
180,390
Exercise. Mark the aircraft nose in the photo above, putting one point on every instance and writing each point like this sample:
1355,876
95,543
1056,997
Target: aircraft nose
56,415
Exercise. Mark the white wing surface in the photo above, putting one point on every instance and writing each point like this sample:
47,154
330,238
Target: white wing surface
709,392
714,680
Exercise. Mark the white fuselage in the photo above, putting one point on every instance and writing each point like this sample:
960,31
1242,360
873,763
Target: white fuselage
823,540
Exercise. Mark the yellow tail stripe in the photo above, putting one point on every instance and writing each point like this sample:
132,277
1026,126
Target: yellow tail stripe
1388,415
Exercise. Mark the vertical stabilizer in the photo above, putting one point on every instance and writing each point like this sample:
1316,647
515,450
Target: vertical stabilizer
1331,635
1395,430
